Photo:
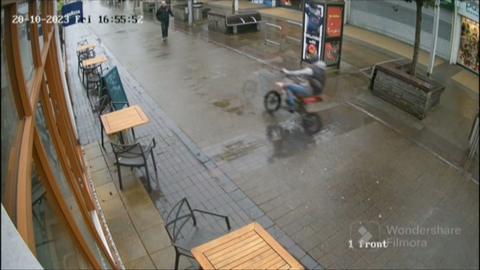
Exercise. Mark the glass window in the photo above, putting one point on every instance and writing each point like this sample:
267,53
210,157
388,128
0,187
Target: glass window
10,128
25,42
67,192
40,29
55,245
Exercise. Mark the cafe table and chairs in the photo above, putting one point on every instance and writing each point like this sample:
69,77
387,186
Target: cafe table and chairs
116,122
250,247
84,51
90,64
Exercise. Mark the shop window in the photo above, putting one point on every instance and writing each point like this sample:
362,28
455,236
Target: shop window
24,33
10,126
55,245
468,50
67,192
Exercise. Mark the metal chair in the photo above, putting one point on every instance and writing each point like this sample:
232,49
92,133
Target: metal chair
184,240
90,53
93,86
134,156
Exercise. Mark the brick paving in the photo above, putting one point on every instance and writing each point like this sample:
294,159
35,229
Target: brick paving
183,169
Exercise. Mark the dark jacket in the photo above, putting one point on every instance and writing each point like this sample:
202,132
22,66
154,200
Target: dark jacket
317,80
163,12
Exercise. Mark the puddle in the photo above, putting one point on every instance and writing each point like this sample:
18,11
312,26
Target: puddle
237,149
238,110
222,103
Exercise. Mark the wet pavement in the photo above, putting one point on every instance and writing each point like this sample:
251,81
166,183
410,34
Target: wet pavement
370,164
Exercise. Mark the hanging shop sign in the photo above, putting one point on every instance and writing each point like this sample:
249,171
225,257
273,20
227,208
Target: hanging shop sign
469,9
313,18
72,13
323,32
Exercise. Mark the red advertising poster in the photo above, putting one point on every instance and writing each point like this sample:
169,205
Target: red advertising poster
334,21
332,52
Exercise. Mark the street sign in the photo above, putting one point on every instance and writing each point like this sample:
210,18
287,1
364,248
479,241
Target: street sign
73,13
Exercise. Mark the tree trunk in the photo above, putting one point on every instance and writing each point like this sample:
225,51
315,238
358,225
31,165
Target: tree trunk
418,31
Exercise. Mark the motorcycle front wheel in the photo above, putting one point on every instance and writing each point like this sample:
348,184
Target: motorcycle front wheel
272,101
311,123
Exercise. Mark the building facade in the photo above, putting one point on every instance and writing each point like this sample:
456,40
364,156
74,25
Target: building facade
46,190
457,31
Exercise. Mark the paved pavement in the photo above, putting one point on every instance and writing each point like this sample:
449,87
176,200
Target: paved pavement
184,171
371,166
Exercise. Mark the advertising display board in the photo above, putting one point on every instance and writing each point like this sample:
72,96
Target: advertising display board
334,21
323,31
313,27
332,52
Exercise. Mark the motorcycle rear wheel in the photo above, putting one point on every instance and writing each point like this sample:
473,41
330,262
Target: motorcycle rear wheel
272,101
311,123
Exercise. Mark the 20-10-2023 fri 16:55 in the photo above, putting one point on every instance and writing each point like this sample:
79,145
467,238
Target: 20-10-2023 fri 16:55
59,19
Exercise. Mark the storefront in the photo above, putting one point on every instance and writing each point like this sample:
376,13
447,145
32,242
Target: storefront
294,4
466,37
45,189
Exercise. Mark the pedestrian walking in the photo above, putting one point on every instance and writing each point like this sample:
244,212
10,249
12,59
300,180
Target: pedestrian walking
163,15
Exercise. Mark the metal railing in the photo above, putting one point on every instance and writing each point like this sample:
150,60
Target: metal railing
282,34
295,24
277,29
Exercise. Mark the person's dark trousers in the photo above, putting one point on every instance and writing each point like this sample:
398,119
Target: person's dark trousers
164,29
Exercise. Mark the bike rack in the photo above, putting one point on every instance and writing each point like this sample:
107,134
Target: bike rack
291,37
278,30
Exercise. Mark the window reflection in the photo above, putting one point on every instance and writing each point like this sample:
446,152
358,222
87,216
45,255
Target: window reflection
67,192
55,245
25,41
40,29
9,125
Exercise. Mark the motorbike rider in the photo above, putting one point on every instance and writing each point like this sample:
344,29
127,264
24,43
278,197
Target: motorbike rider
316,78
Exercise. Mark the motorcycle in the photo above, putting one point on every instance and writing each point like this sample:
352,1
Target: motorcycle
274,99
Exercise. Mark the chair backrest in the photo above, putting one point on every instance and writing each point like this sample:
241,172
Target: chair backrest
115,90
127,150
178,216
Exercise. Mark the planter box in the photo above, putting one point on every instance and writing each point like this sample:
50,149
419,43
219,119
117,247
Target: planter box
413,94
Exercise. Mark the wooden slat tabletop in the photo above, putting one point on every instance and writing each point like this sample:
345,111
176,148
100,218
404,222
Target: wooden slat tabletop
95,61
123,119
250,247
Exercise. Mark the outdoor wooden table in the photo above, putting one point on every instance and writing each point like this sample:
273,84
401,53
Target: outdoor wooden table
123,119
94,61
250,247
85,47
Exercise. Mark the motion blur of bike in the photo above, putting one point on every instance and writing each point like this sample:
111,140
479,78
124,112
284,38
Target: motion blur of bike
300,92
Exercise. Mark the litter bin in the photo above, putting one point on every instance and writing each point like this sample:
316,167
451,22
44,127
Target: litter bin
197,11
